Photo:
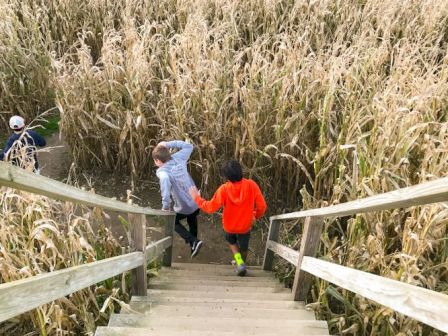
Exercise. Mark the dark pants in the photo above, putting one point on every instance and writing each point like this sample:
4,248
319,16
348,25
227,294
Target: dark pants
189,236
240,239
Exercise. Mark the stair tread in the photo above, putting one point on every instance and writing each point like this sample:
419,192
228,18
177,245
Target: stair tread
211,300
242,282
225,272
157,293
251,275
217,320
229,311
229,288
211,269
194,266
144,305
126,331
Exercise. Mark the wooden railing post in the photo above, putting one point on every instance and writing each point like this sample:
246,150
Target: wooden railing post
169,232
273,235
138,243
308,247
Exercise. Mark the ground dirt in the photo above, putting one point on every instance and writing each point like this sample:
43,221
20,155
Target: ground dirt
55,162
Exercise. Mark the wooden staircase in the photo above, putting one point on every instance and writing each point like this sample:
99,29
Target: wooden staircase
192,299
206,299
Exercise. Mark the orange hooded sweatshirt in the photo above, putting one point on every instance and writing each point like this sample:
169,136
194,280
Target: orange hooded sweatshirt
242,202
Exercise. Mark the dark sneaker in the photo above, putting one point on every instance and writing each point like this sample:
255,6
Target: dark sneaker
195,248
241,270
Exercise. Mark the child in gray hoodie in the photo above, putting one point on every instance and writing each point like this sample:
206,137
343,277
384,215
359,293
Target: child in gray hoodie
175,182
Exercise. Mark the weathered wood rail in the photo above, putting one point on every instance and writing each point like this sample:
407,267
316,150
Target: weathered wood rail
21,296
424,305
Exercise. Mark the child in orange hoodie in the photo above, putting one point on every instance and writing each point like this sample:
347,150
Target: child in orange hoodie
243,203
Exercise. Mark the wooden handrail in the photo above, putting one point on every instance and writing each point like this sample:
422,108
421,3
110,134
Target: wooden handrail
20,296
20,179
429,192
283,251
155,249
422,304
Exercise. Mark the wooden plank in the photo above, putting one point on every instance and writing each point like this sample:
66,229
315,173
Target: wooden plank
206,273
308,247
188,266
158,294
419,303
138,243
237,323
242,282
199,276
120,331
274,226
220,311
169,232
285,252
157,248
424,193
20,179
219,288
20,296
144,304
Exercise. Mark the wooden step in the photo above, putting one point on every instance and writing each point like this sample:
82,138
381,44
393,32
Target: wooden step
237,324
217,280
228,288
196,266
141,320
159,294
225,311
211,300
144,304
126,331
206,272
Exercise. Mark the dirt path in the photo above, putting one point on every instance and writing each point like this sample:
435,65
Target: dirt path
54,159
55,162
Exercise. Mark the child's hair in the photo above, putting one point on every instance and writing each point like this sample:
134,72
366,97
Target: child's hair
161,153
232,171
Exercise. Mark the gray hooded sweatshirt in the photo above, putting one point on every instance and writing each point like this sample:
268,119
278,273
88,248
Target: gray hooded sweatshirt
175,179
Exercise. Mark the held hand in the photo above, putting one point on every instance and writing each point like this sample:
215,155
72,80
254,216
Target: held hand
193,192
166,210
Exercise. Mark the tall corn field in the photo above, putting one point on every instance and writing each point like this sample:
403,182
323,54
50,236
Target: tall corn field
25,63
322,101
40,235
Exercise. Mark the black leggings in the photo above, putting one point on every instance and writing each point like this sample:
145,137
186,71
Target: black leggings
190,236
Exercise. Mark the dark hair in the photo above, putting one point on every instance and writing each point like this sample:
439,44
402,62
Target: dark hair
232,171
161,153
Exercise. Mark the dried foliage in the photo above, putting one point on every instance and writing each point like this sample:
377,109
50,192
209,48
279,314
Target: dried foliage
24,64
323,101
40,235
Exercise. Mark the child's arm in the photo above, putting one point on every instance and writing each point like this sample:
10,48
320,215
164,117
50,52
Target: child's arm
165,190
260,203
207,206
8,146
38,139
185,149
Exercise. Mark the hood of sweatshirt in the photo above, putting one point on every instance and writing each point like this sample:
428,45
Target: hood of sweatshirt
237,192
